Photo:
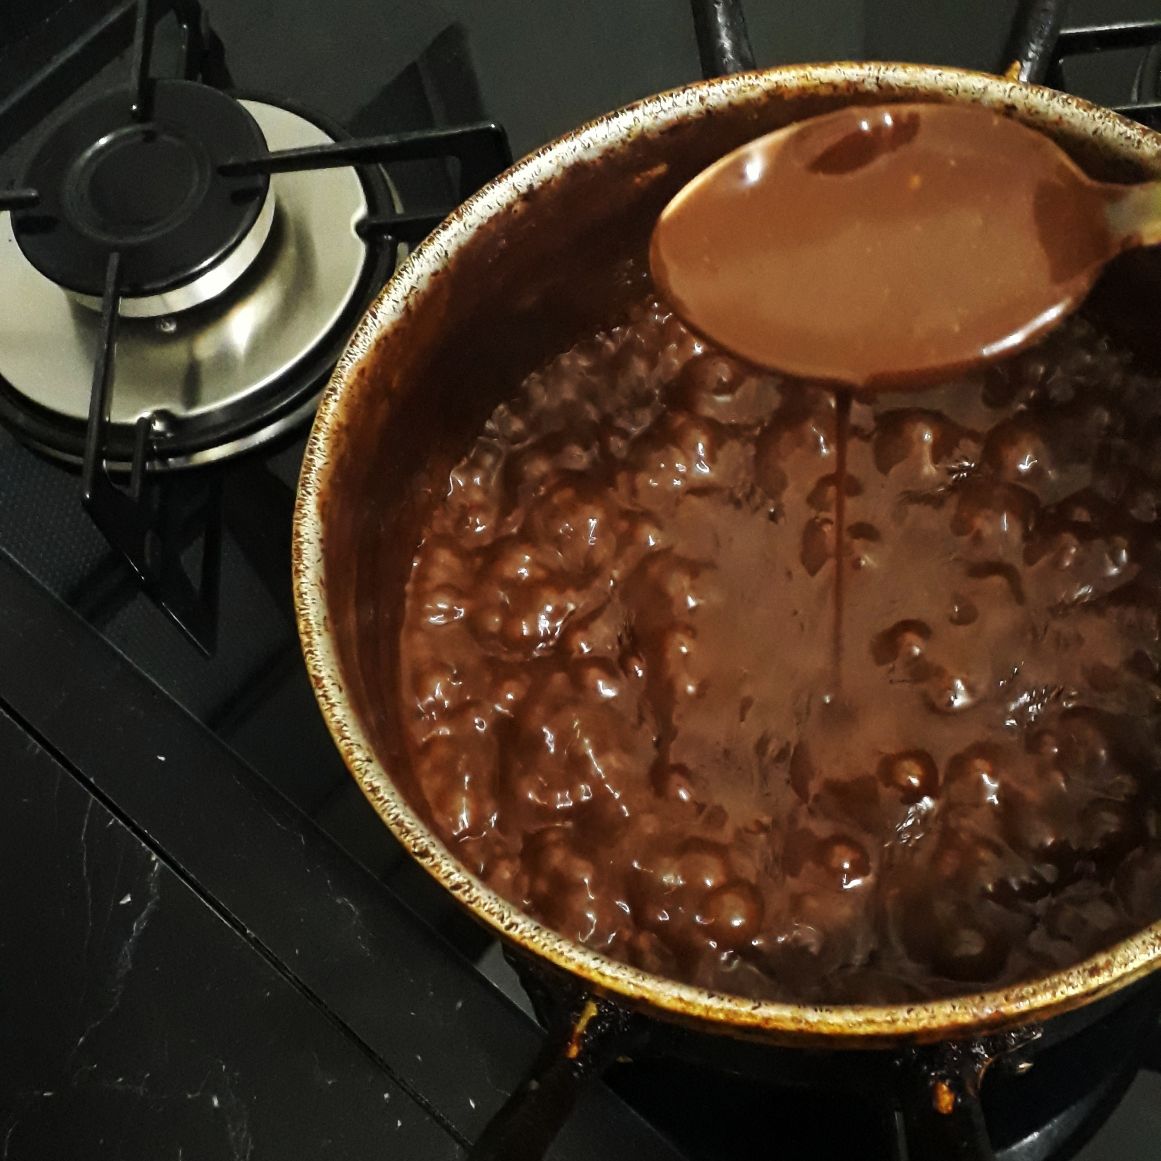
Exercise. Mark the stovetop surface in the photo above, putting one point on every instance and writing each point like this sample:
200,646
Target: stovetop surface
375,66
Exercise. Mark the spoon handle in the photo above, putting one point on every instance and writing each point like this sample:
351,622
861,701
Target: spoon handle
1134,213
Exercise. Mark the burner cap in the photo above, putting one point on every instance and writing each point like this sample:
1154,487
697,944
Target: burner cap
151,190
239,371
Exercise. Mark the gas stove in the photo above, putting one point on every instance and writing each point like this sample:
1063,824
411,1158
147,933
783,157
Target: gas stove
190,259
220,950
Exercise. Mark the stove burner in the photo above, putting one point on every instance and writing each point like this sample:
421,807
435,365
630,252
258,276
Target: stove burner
231,374
154,192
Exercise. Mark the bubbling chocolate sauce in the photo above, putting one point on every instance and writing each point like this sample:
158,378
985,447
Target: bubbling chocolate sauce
843,401
619,692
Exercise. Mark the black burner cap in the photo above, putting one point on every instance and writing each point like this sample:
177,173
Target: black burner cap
151,190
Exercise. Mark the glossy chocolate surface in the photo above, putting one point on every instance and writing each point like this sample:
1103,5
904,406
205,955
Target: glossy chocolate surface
618,691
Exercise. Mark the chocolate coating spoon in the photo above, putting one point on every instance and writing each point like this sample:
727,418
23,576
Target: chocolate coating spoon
889,245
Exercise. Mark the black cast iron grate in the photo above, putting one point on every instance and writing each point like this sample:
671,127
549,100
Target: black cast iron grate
1040,44
137,517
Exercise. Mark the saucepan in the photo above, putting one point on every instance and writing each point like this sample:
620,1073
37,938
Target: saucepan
520,271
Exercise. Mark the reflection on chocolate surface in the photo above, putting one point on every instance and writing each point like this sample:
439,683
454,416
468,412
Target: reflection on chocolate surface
617,678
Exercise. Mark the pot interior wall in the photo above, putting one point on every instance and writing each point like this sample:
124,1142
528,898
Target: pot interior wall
564,258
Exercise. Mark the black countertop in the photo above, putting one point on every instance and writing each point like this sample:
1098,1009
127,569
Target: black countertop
191,968
162,1029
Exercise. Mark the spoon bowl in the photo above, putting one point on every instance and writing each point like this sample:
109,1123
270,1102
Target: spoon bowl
892,245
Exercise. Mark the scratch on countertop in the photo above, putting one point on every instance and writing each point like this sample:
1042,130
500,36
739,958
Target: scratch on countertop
85,879
125,956
112,899
290,830
358,927
321,1076
237,1119
227,1102
122,1085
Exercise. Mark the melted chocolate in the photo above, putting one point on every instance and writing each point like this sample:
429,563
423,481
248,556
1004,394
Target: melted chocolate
621,701
886,245
843,402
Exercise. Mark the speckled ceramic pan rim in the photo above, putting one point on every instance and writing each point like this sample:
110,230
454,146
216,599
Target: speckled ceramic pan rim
849,1026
